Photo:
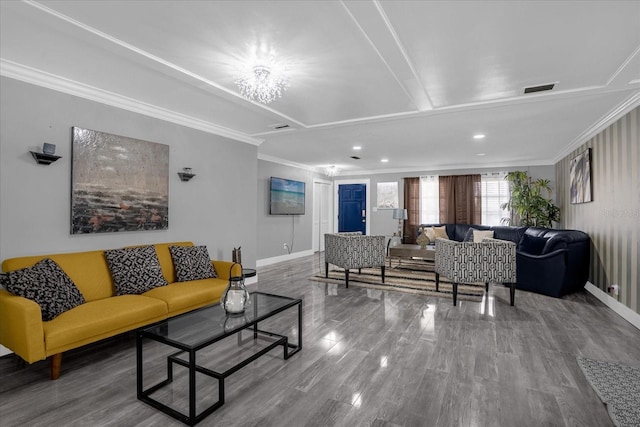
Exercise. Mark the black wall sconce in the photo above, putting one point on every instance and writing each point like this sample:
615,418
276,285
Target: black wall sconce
47,156
186,174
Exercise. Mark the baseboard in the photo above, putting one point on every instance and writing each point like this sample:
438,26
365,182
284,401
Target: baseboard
620,309
4,351
276,259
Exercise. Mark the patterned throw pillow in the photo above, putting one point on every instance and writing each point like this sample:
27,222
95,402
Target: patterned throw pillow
192,263
479,235
46,284
135,270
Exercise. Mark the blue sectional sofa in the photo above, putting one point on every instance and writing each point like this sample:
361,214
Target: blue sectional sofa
548,261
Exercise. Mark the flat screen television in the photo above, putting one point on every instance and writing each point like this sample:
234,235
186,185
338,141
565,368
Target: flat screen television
286,197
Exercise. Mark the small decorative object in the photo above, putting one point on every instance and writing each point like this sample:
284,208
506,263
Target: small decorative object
236,255
236,297
186,174
48,148
234,322
422,239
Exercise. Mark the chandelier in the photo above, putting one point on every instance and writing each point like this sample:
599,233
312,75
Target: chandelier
264,81
332,171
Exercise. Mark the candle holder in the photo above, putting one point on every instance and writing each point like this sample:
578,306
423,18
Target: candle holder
236,297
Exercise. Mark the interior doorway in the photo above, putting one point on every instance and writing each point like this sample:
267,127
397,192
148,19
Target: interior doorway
322,213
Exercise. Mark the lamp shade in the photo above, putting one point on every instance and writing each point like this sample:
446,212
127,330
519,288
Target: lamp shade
400,214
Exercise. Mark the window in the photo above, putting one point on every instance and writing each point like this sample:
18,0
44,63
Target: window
429,200
495,192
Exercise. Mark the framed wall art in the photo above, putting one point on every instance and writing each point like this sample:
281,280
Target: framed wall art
387,195
580,177
118,183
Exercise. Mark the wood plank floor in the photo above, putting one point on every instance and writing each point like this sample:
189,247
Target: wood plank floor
370,358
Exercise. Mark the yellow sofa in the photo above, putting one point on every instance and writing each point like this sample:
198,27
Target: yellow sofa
103,315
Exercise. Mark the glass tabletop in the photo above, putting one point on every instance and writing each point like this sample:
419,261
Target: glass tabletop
201,327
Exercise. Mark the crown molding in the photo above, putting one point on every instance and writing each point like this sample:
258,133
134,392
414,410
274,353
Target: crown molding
47,80
284,162
623,108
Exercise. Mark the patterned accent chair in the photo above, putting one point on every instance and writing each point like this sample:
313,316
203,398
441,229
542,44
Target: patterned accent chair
353,250
491,260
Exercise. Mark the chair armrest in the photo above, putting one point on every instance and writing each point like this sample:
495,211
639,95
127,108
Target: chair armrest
223,268
21,327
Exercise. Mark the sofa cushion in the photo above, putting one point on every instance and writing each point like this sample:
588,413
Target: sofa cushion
185,296
192,263
101,319
47,285
135,270
531,244
440,232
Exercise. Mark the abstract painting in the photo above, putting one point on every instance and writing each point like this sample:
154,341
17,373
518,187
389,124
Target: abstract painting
118,183
580,177
387,195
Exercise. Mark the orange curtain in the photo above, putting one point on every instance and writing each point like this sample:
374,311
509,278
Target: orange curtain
412,205
460,199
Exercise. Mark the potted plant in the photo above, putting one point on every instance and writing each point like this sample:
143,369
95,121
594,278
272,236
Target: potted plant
527,202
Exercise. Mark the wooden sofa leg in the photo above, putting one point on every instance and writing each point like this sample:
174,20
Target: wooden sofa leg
455,294
55,363
326,269
437,282
486,286
346,277
382,268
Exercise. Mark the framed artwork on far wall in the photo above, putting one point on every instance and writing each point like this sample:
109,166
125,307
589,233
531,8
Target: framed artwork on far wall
118,183
387,195
580,177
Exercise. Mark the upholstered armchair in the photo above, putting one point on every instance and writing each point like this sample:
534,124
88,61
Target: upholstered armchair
353,250
491,260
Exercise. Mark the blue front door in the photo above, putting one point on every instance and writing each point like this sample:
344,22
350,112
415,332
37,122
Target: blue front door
352,207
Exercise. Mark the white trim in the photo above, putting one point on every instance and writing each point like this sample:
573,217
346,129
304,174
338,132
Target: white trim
284,162
4,351
41,78
281,258
620,309
623,108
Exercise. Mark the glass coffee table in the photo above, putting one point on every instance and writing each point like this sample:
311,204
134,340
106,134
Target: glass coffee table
197,330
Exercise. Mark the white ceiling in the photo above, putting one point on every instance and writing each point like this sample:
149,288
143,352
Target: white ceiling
411,81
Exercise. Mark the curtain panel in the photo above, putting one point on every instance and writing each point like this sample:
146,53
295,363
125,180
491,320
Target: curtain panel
460,199
412,205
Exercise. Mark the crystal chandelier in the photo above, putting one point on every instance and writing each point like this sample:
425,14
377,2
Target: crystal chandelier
332,171
263,82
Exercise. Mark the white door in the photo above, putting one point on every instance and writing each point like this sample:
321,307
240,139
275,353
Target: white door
322,213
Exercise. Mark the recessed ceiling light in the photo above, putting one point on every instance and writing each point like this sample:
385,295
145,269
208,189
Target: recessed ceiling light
357,147
478,136
384,160
481,154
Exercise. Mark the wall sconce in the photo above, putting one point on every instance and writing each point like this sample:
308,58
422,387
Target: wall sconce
186,174
47,156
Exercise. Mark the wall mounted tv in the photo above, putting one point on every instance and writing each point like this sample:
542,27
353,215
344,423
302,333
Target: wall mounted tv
286,197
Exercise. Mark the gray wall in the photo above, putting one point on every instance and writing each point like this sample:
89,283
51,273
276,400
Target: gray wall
216,208
275,230
612,220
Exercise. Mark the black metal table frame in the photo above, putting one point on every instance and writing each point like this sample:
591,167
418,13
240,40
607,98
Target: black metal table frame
192,418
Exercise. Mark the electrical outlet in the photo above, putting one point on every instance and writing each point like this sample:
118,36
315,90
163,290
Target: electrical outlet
286,246
616,289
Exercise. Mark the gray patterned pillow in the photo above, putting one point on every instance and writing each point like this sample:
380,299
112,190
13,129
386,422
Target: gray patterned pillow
135,270
46,284
192,263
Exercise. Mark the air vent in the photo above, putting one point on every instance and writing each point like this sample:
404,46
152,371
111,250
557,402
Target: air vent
355,157
279,126
541,88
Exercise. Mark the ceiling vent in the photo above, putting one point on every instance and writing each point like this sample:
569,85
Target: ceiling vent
541,88
355,157
280,126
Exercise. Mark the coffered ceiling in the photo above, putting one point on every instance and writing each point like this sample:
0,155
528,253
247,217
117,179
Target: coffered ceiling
409,81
